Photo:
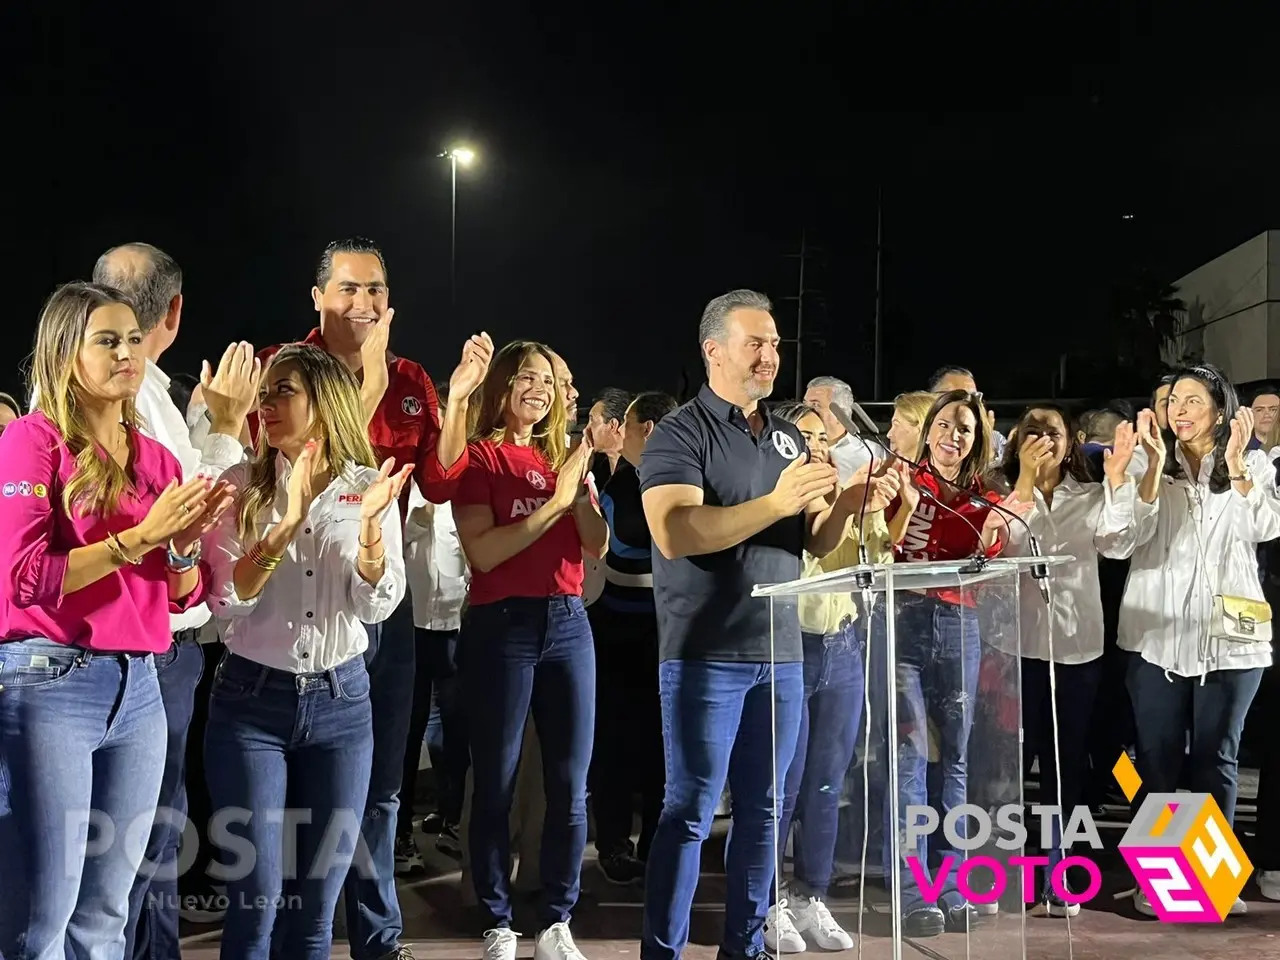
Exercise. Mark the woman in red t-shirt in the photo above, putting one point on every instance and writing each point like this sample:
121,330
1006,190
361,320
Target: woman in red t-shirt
526,516
939,655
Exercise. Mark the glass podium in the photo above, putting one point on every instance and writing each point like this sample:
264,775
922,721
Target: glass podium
908,760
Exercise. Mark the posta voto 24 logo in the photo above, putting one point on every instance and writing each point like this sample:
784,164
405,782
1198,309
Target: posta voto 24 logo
1180,848
1182,852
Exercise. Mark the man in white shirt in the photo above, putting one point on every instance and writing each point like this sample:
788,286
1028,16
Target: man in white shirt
848,452
438,578
153,281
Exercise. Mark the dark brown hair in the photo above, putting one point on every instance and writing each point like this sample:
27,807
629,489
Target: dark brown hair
1075,464
973,465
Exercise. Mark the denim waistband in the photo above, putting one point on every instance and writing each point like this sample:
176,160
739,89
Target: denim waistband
261,676
42,646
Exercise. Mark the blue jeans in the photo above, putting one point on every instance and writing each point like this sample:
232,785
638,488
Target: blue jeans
1077,688
436,718
292,753
717,724
829,719
152,930
1165,707
374,924
514,655
939,655
82,753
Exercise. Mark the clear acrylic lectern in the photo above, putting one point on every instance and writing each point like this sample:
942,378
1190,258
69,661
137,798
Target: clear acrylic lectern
913,706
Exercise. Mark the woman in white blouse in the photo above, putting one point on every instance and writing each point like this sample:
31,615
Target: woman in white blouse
1203,506
310,552
1045,465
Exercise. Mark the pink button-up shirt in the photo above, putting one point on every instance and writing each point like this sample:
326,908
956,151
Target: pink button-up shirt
127,610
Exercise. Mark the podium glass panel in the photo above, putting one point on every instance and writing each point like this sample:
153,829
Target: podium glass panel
902,804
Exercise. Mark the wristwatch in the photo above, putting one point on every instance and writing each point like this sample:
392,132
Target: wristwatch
180,564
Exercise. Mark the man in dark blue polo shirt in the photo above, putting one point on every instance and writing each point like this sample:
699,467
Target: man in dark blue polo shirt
731,501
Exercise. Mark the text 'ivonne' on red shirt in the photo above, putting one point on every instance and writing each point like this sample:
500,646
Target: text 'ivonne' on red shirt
406,425
938,533
513,481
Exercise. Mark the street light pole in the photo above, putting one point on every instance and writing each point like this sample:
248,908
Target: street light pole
455,156
453,228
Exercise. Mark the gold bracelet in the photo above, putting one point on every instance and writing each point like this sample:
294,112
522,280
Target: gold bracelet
368,545
378,559
118,551
261,559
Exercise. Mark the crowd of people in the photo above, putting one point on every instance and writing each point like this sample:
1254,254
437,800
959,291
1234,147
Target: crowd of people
234,605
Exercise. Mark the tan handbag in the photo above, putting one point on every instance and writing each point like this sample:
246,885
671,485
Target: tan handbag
1237,619
1240,619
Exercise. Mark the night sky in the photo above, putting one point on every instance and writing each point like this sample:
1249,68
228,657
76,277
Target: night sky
636,160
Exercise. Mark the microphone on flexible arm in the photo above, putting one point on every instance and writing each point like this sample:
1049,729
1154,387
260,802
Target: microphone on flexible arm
1039,571
863,579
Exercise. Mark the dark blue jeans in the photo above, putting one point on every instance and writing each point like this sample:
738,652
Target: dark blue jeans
939,654
152,930
1077,686
515,655
374,923
82,753
825,745
291,756
1166,707
717,724
438,718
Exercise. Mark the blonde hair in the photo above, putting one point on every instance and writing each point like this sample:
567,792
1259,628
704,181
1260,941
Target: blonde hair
99,481
490,419
914,407
335,408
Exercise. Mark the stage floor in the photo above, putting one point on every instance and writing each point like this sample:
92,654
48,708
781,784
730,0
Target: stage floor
607,926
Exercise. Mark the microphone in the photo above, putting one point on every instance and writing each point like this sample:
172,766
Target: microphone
863,580
1039,571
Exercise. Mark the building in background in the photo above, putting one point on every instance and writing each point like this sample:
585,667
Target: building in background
1232,316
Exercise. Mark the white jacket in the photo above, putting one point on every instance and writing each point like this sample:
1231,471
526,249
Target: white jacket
1072,526
1187,547
435,566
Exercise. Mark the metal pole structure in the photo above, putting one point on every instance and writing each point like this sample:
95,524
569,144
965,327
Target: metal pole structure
875,390
804,250
453,229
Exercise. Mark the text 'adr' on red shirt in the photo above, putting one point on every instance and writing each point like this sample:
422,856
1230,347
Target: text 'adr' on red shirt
513,481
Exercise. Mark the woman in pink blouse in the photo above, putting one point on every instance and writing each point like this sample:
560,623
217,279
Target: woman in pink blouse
99,543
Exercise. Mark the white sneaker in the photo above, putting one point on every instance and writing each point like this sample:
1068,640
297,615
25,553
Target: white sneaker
1142,904
555,943
500,944
780,933
1238,909
814,918
1269,884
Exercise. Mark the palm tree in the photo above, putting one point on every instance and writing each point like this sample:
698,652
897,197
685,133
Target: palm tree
1145,322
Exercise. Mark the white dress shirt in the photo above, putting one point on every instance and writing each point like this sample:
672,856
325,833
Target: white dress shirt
435,566
1069,526
1187,547
310,616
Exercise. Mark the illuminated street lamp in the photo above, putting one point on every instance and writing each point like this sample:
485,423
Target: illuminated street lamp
457,156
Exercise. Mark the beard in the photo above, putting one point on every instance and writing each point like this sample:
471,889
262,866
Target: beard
757,390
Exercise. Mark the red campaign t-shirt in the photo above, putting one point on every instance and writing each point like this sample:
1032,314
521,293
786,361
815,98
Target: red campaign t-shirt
936,533
406,425
513,481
